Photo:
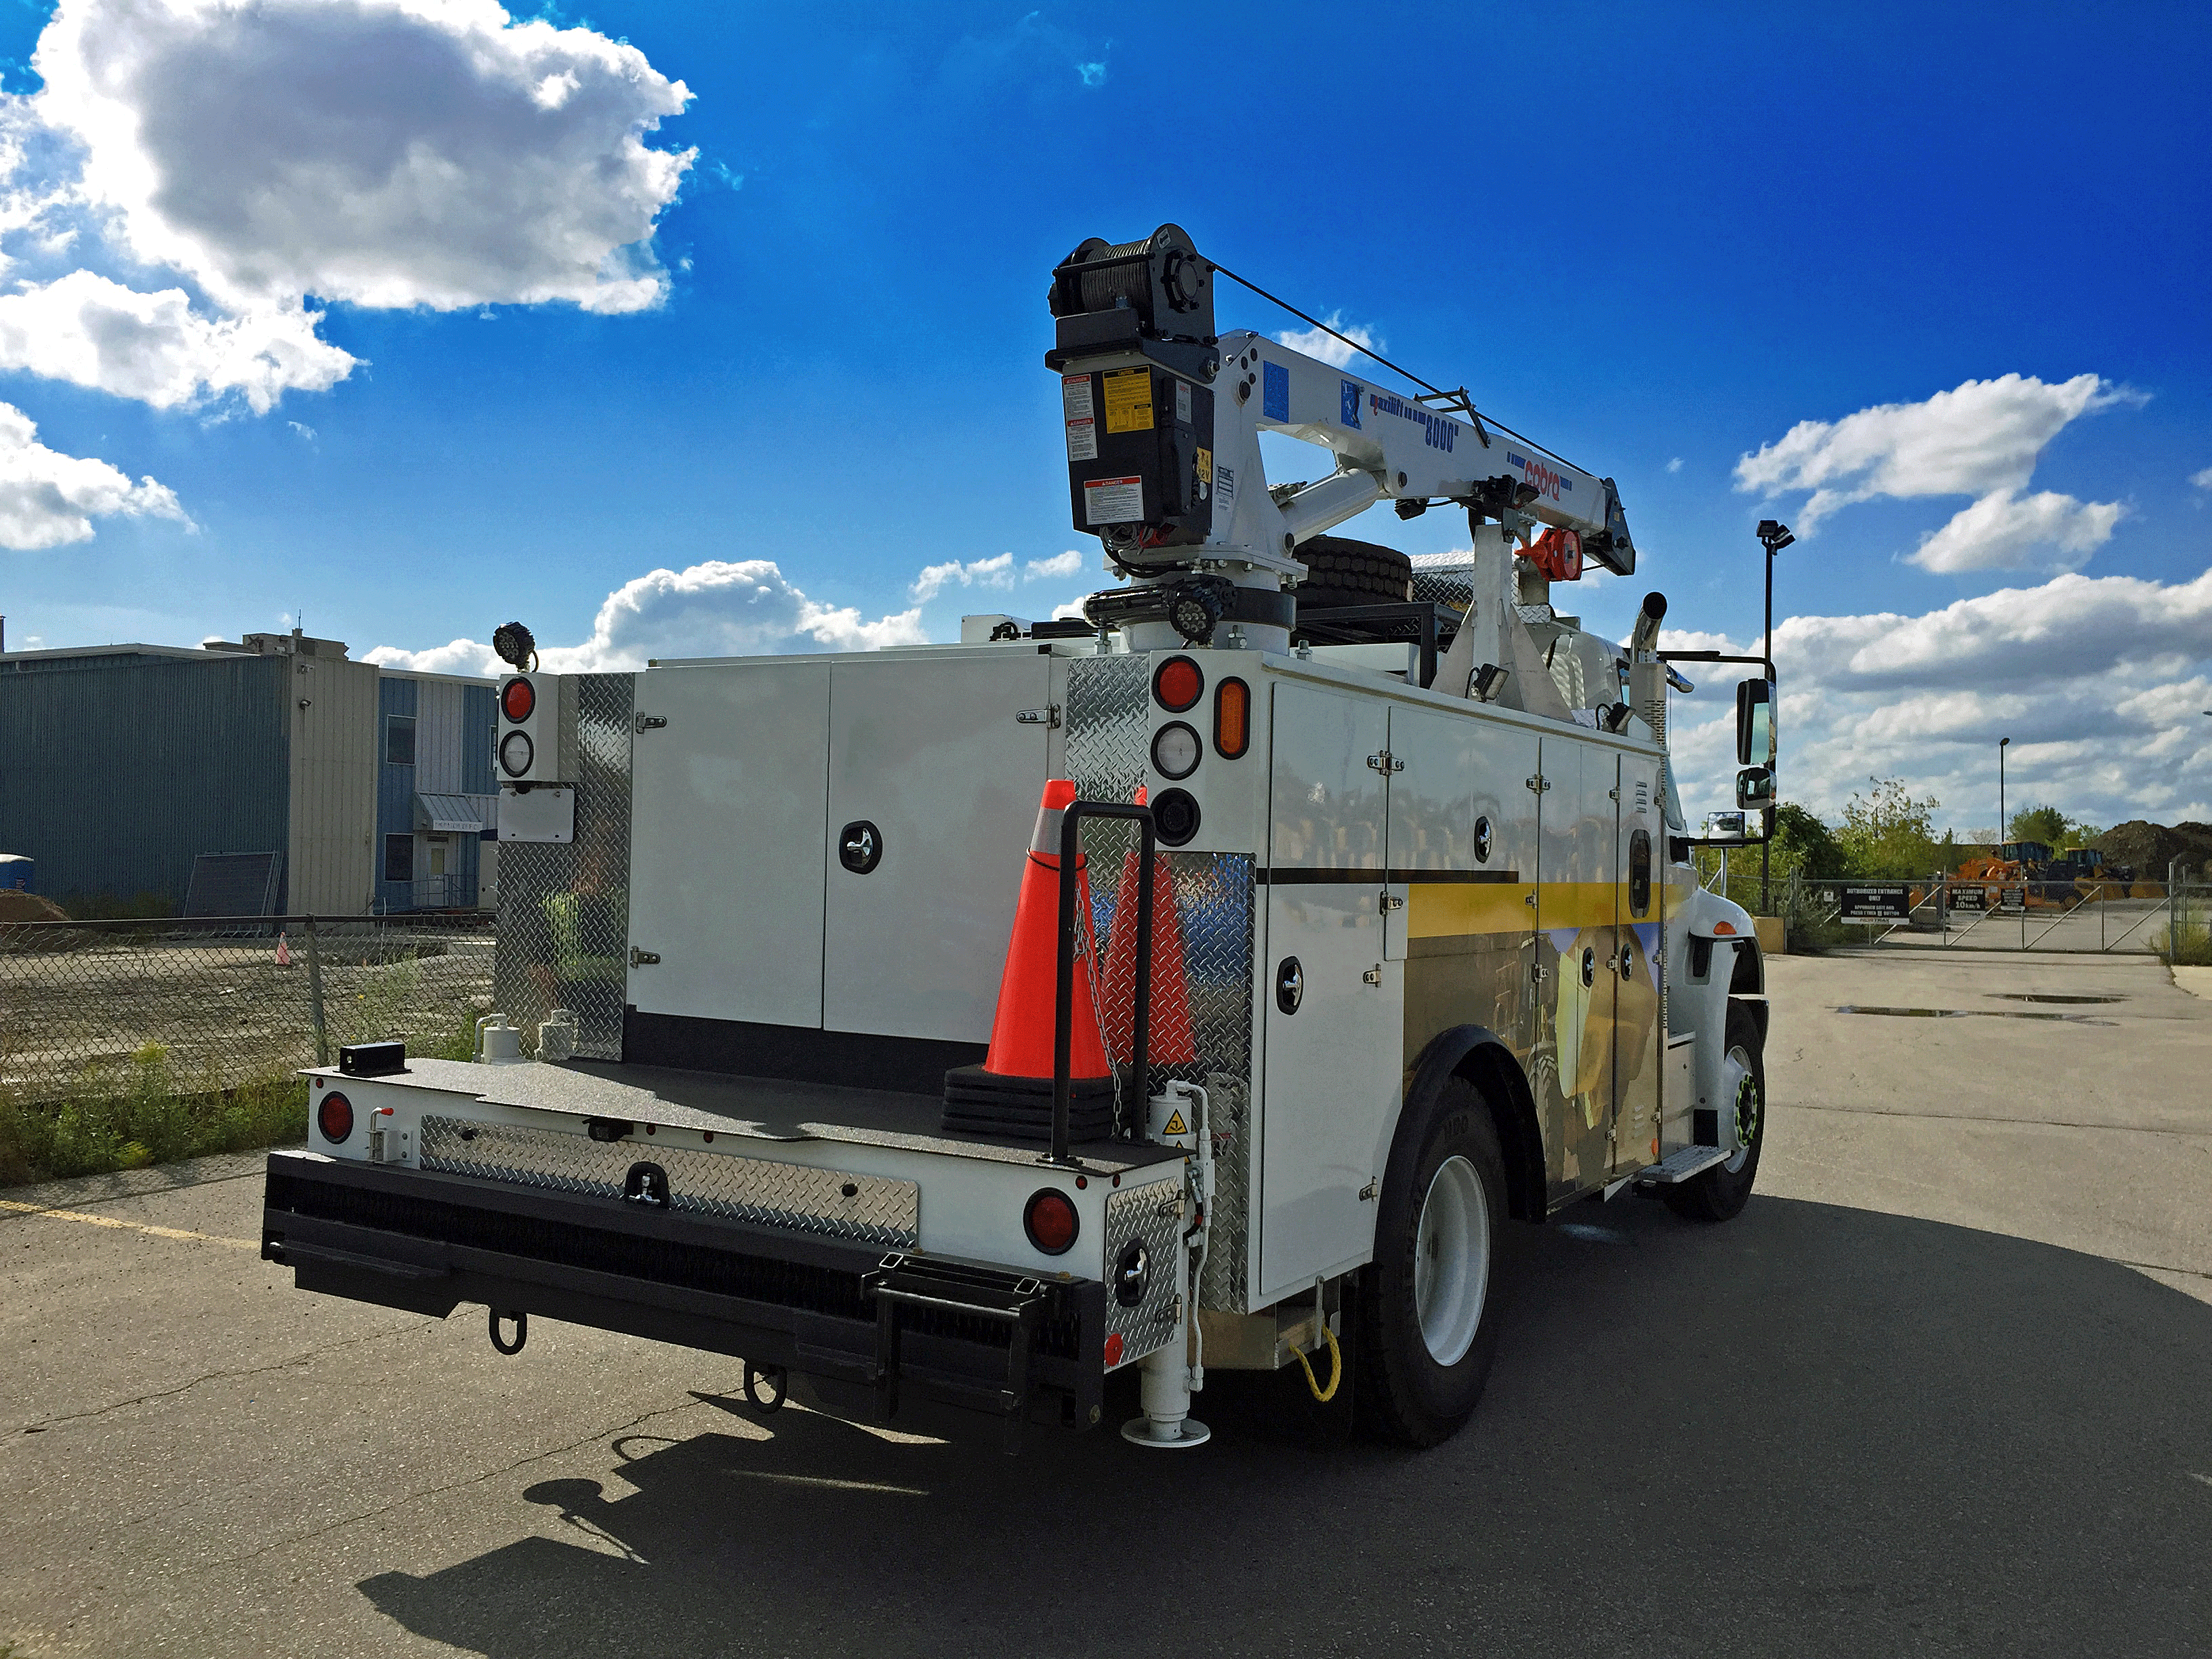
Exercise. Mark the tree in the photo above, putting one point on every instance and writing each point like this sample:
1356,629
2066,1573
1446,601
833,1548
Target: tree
2051,827
1888,835
1804,844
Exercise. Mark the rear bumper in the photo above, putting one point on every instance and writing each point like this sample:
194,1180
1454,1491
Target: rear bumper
430,1241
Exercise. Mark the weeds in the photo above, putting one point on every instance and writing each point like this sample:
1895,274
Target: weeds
127,1116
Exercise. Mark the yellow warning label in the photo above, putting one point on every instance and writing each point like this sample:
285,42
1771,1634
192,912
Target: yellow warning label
1175,1125
1206,466
1128,400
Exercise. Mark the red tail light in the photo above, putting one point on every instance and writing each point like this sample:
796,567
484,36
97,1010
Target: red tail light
1051,1220
517,698
334,1117
1178,684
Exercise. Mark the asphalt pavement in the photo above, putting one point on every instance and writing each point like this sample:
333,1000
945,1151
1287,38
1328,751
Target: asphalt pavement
1945,1388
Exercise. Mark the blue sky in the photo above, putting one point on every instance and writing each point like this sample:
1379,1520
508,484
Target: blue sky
1642,235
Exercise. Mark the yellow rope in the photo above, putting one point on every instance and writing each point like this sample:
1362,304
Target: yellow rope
1335,1368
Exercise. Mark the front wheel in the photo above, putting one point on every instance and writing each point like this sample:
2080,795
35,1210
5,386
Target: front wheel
1427,1305
1720,1192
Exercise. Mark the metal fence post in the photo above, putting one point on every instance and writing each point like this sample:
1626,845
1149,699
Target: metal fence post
315,995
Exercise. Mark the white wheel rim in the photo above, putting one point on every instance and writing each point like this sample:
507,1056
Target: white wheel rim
1451,1260
1737,1079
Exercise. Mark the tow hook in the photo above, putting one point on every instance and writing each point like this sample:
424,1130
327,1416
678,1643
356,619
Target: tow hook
521,1322
775,1378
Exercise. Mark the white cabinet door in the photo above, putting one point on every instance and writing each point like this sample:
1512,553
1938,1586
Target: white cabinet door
929,754
1330,1066
727,802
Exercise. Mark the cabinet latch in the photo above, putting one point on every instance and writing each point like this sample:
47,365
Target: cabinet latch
642,958
1386,763
1537,783
1048,717
1374,976
651,722
1392,901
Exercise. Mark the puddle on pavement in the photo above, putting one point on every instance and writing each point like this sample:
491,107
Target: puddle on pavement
2051,996
1970,1013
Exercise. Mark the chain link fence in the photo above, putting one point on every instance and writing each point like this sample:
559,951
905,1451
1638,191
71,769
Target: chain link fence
2088,916
130,1042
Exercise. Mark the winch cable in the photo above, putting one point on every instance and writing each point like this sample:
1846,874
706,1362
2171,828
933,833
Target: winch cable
1466,399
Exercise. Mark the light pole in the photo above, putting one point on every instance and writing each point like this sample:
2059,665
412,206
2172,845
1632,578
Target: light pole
2002,742
1773,537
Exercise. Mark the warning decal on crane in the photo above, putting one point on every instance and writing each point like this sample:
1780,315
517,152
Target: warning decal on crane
1114,501
1129,400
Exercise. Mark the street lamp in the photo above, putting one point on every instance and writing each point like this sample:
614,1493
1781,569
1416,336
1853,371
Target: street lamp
1773,537
2002,742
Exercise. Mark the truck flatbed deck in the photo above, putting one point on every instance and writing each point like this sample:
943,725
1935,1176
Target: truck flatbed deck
759,1109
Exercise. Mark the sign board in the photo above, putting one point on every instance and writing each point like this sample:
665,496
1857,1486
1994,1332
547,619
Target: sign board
2011,900
1875,900
1965,898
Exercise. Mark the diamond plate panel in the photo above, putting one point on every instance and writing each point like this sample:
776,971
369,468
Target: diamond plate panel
1108,714
564,910
1446,578
1153,1214
796,1197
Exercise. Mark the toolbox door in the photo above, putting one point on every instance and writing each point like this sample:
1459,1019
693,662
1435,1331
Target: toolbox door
1332,998
1577,953
927,756
1641,853
727,790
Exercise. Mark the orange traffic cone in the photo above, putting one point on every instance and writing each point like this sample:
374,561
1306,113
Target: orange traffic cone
1010,1093
283,952
1168,1038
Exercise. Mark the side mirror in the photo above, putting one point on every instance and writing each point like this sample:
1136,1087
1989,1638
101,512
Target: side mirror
1754,789
1755,740
1726,826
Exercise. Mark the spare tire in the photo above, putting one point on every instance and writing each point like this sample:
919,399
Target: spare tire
1339,571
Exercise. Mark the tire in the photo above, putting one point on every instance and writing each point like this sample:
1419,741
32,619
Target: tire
1720,1192
1340,571
1446,1181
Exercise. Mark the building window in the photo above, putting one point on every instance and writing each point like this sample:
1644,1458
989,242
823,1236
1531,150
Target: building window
399,740
400,854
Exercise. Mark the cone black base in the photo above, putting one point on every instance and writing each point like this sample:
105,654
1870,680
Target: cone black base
980,1102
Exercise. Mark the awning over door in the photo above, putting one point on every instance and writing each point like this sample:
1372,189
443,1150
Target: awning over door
457,814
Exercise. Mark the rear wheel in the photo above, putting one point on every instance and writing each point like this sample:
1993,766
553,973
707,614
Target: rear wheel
1720,1192
1427,1306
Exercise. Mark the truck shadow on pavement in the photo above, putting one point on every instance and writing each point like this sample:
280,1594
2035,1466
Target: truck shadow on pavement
1812,1430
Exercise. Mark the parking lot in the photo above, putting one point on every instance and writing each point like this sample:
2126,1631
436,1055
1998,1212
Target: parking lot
1945,1388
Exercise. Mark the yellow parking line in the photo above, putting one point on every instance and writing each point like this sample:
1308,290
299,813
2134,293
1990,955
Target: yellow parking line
129,1226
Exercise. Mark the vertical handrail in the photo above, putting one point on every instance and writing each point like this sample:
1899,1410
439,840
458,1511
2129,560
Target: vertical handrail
1063,1005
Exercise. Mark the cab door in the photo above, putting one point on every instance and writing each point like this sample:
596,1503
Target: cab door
1640,845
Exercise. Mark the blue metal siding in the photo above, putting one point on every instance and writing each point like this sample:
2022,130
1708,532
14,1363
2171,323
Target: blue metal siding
115,771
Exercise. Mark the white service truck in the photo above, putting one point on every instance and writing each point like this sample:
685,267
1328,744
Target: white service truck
1425,952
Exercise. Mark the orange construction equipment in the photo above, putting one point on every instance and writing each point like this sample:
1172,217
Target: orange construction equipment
1010,1093
1168,1038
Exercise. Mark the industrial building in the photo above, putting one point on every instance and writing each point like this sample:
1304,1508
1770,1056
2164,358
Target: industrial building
125,767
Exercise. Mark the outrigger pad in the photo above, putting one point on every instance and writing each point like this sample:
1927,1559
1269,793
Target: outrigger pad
980,1102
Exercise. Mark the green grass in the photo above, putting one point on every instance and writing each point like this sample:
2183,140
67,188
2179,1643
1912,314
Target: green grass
127,1114
2192,950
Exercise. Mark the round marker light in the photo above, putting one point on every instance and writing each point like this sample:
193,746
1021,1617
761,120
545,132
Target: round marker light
334,1117
1174,816
517,699
1051,1220
1175,750
1178,684
516,751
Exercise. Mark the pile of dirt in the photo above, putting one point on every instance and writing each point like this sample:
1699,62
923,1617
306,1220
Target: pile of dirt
18,905
2148,848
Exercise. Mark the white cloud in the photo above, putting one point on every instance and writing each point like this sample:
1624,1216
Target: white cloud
2097,680
306,433
391,153
2000,530
1059,567
718,608
981,573
48,499
155,348
1675,465
1318,343
1982,439
2202,480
